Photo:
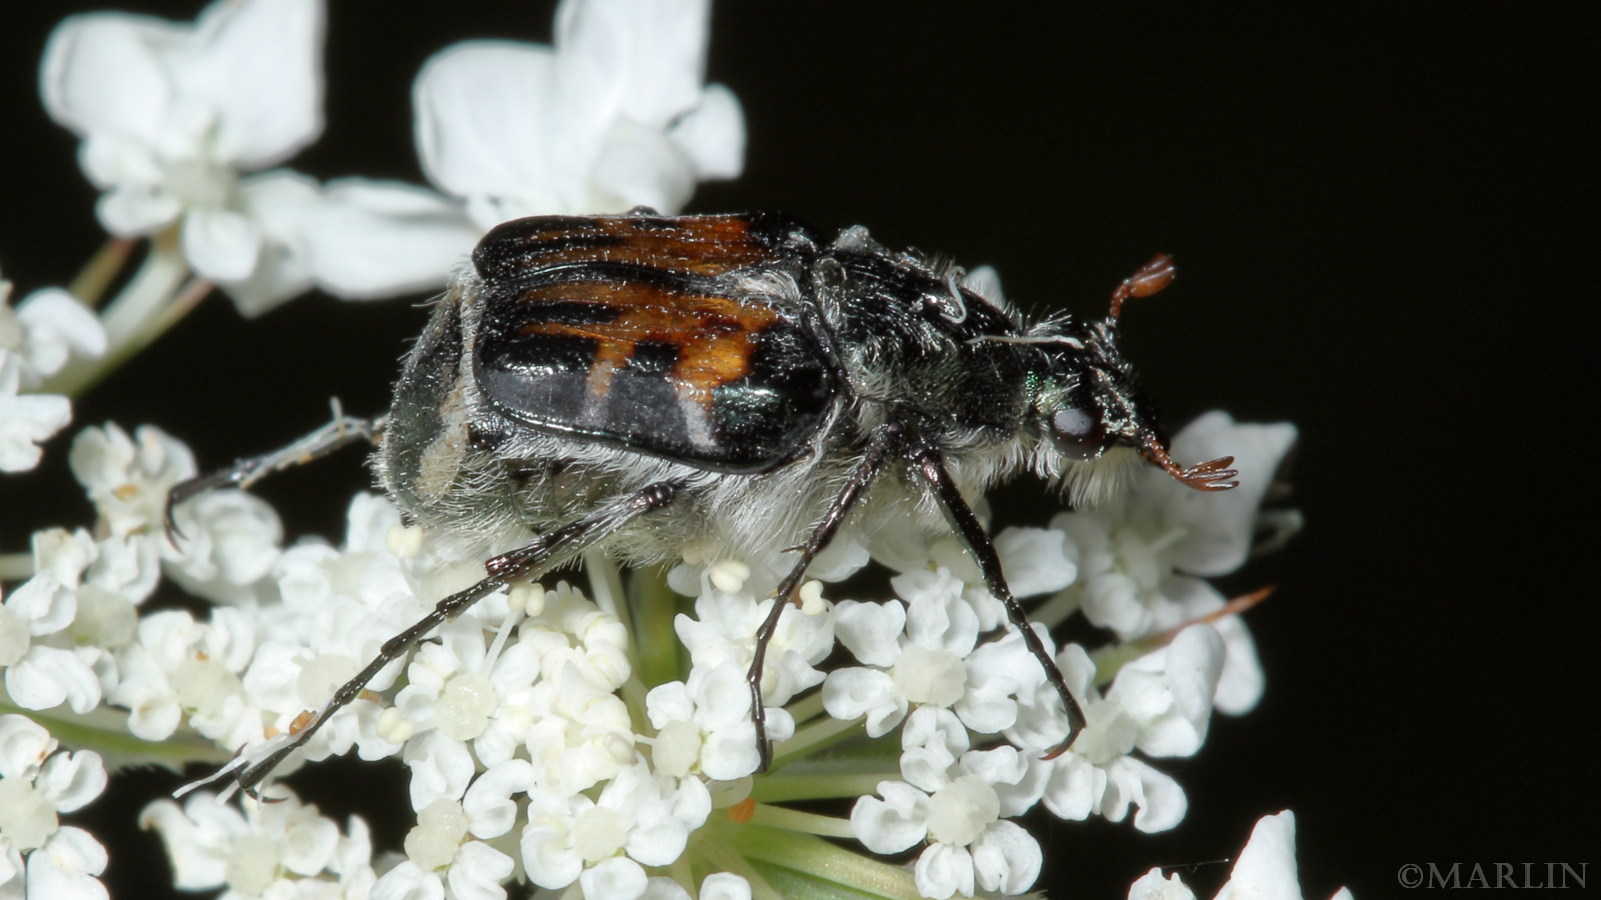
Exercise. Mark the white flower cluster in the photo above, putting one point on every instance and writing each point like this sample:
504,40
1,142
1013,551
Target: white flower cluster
36,340
541,748
38,854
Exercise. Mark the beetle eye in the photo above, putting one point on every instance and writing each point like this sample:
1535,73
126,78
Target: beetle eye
1079,433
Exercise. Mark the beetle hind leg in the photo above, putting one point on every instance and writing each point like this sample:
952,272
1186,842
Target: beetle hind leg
341,432
546,552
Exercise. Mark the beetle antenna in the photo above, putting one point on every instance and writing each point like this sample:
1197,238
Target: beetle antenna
1146,280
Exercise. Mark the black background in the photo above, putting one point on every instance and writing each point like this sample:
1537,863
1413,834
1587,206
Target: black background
1382,235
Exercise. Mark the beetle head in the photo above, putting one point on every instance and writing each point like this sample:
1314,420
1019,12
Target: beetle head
1088,406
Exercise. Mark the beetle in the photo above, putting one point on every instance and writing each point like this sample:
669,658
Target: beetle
645,383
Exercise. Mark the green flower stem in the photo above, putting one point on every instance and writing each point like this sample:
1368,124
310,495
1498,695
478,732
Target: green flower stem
181,305
654,606
823,785
101,269
607,591
806,708
724,858
105,731
136,317
812,736
606,585
1056,610
822,861
804,822
1112,659
16,566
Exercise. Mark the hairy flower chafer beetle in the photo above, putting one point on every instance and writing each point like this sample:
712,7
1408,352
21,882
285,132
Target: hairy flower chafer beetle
645,383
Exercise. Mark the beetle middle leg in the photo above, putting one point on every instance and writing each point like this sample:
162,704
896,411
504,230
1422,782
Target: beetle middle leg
546,552
928,462
886,440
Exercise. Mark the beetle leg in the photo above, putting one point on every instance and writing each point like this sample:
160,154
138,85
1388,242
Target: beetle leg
929,464
342,431
887,439
546,552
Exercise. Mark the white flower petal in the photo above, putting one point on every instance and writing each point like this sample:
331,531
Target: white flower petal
724,886
1074,787
26,422
194,835
545,845
371,239
103,72
488,802
232,540
407,881
894,823
931,726
712,134
657,843
220,244
1159,801
619,878
132,210
1266,867
937,615
639,166
14,637
1152,886
24,745
1219,526
1112,601
731,753
66,867
989,706
48,677
258,62
1242,682
1194,662
58,325
871,631
857,691
279,202
1035,560
1006,858
646,56
440,768
943,870
483,117
478,871
72,780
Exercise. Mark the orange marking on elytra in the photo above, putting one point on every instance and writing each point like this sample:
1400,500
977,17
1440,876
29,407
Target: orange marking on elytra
714,336
705,245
